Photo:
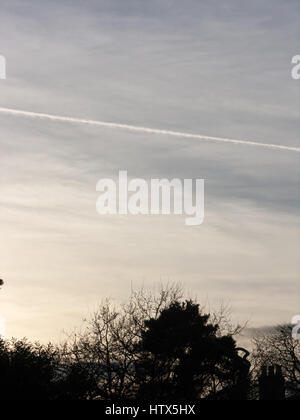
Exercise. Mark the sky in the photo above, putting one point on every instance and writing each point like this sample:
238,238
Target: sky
217,68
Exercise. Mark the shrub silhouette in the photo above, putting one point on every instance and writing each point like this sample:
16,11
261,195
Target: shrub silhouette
35,372
26,371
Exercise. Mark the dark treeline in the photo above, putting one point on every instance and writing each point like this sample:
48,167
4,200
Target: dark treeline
156,347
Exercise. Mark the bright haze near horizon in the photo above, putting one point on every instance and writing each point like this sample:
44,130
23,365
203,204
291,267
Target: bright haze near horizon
218,68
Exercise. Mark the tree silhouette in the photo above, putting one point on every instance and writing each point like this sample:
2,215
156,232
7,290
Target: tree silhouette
155,346
107,344
184,357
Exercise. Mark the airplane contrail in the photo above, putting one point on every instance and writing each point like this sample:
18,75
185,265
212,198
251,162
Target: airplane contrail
201,137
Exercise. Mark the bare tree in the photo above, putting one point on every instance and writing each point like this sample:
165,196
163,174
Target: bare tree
222,316
278,347
108,343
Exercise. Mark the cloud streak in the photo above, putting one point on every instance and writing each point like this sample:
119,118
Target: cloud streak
148,130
